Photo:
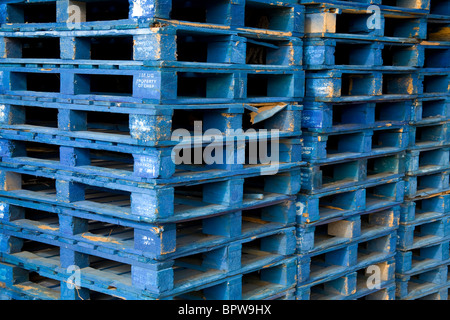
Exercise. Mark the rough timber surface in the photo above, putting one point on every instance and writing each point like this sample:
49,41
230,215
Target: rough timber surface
177,44
338,204
352,286
314,239
260,16
158,84
132,282
161,204
140,240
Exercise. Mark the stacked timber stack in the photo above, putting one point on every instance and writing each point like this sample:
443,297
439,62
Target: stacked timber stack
99,197
424,234
362,81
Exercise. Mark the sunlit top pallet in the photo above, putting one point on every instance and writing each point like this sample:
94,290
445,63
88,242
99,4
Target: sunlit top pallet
258,16
179,43
364,22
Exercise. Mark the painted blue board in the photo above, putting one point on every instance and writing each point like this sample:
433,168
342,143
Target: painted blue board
335,205
155,85
325,117
283,17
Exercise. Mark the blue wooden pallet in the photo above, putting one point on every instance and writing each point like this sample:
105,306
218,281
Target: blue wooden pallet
427,161
385,292
434,83
317,238
326,148
86,177
337,261
425,209
168,84
426,185
429,135
124,127
342,54
421,234
23,285
180,164
28,286
166,203
145,241
324,117
418,6
439,9
361,85
354,285
332,21
421,259
256,15
169,43
115,213
430,110
421,284
436,55
287,295
325,178
324,207
131,282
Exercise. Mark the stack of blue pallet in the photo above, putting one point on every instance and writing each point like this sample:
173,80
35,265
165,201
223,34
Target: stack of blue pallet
137,144
424,233
93,203
362,79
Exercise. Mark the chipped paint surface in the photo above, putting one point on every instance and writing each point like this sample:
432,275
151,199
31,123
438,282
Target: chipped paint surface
99,239
48,228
